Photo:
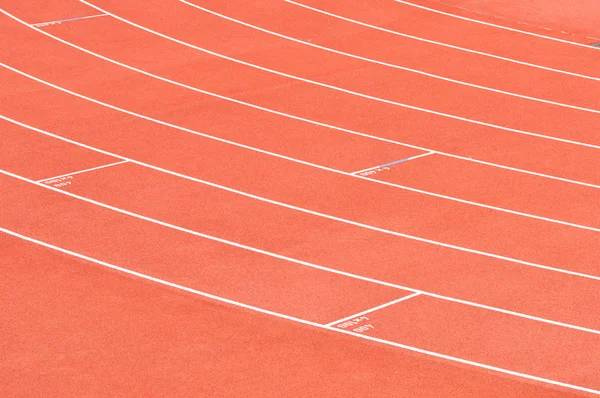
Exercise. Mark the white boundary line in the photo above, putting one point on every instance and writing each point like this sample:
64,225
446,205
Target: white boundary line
77,172
348,174
61,21
345,91
442,44
370,310
388,64
274,255
294,319
493,25
348,131
393,163
303,210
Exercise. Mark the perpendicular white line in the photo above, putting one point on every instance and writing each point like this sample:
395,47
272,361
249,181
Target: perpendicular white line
346,91
67,20
396,33
80,171
292,318
389,64
293,117
393,163
365,178
491,24
293,260
370,310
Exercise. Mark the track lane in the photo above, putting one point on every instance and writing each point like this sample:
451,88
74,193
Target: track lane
341,35
453,283
553,155
386,80
43,157
413,131
433,26
196,262
281,180
146,339
525,244
526,193
553,13
491,338
582,200
37,209
394,88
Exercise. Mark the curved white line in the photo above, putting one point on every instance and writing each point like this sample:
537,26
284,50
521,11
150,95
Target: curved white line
396,33
306,163
374,61
496,26
291,318
343,90
261,251
348,131
327,216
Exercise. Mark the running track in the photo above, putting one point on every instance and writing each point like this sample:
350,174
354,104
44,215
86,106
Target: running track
296,198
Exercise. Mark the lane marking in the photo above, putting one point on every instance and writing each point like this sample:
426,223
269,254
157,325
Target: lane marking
357,133
80,171
297,261
297,320
325,168
395,66
396,33
343,90
494,25
370,310
42,24
395,162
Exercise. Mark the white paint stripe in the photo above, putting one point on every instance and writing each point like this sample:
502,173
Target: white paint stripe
442,44
493,25
274,255
60,21
294,319
370,310
403,160
366,178
81,171
468,159
343,90
389,64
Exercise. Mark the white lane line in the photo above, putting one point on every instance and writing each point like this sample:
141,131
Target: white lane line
389,64
80,171
317,166
274,255
494,25
58,22
393,163
325,168
294,319
370,310
345,91
396,33
293,117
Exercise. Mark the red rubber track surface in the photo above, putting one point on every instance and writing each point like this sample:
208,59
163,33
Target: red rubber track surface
200,201
549,18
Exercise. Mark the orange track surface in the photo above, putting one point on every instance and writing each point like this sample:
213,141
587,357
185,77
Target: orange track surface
247,170
576,22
